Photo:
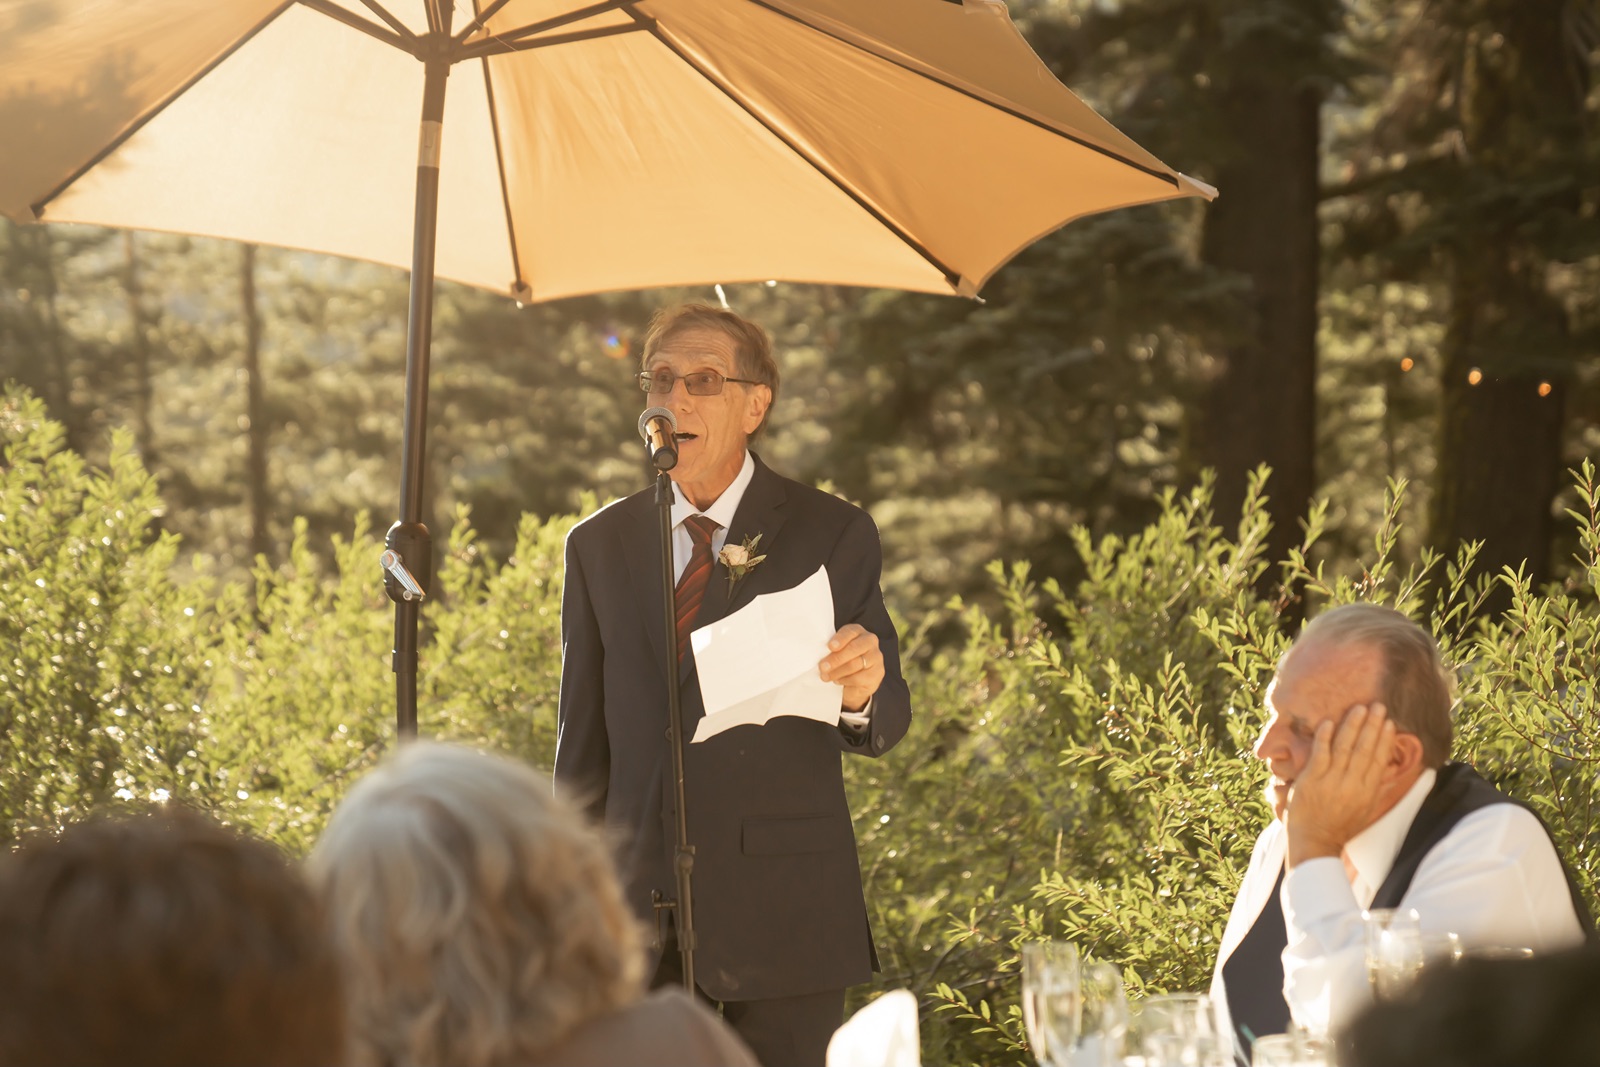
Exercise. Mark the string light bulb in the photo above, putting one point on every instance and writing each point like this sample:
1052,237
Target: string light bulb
1474,376
1406,364
1544,388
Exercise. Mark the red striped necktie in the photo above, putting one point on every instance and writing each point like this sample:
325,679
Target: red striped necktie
692,585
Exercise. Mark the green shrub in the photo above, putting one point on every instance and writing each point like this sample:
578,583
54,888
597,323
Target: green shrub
493,667
258,703
1075,771
1082,768
299,699
101,655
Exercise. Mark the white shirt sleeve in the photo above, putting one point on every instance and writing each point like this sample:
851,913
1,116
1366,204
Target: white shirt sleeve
1494,881
858,720
1325,957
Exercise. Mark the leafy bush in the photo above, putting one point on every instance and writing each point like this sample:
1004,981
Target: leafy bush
259,703
102,653
1076,772
1079,765
1082,768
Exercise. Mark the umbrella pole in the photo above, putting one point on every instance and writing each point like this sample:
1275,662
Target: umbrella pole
408,558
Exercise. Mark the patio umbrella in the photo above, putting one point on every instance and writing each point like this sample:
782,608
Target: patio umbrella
581,148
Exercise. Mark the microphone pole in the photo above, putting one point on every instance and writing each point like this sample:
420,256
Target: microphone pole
658,427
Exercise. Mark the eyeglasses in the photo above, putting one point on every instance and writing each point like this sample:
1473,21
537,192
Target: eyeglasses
699,383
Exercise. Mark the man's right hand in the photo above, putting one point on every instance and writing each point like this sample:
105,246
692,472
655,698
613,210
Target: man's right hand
1337,795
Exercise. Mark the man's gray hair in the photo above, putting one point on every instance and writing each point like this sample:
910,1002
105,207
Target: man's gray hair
478,917
1416,684
752,343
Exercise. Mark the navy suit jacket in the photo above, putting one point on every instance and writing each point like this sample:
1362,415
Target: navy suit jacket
778,905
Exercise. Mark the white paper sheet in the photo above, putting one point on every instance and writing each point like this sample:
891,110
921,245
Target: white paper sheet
761,661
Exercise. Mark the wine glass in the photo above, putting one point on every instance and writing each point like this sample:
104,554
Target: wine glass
1273,1050
1176,1030
1394,949
1051,979
1442,948
1501,952
1297,1048
1103,1016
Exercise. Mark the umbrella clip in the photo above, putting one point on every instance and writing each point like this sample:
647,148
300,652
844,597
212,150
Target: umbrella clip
396,566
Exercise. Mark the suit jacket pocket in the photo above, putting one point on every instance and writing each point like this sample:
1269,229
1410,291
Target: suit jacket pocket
790,835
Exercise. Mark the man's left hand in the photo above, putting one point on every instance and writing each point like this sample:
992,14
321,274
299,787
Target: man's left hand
856,662
1336,796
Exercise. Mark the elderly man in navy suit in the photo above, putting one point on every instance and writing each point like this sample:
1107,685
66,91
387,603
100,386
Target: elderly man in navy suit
780,919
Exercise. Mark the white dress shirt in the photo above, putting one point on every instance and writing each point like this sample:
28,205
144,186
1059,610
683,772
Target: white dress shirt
1495,881
721,512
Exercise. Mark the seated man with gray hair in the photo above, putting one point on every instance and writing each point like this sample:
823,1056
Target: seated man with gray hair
1370,813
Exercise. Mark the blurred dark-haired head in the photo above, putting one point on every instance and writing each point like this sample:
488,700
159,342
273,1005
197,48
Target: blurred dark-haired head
1487,1013
162,939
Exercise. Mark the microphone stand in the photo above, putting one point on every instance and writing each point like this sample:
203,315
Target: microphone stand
683,856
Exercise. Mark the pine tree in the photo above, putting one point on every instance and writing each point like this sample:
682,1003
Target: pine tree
1234,90
1480,179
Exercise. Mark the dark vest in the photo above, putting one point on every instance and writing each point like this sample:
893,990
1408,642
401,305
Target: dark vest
1253,974
1458,792
1252,977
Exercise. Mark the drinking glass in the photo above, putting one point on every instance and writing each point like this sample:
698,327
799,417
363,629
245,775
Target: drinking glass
1176,1030
1500,952
1050,999
1394,950
1273,1050
1442,948
1103,1016
1297,1048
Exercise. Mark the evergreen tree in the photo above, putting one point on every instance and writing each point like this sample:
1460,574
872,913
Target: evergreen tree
1134,349
1481,178
1233,90
61,325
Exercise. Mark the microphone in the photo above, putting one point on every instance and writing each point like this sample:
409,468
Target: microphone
659,428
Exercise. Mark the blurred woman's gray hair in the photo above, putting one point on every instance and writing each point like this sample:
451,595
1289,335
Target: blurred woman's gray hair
478,917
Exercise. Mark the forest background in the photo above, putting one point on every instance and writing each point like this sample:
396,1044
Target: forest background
1394,305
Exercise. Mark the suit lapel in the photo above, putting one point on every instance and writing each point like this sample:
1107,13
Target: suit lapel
642,549
760,512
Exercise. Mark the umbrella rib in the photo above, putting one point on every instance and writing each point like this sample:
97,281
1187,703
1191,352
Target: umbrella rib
952,277
139,123
1006,108
505,187
576,15
406,44
394,23
495,46
479,20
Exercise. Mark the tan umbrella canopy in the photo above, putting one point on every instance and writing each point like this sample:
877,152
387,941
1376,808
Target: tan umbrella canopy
581,147
915,144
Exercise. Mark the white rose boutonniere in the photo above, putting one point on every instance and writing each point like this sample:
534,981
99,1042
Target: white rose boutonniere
740,559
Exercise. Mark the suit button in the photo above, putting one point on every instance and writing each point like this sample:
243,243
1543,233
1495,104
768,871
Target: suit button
877,742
